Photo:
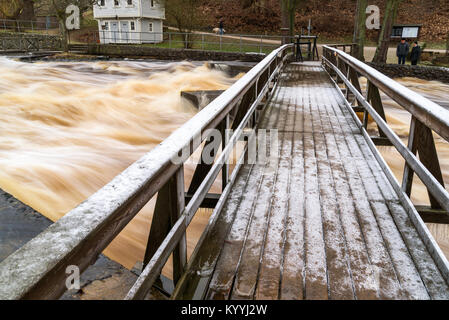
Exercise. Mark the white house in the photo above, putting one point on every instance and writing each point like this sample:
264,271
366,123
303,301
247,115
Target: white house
130,21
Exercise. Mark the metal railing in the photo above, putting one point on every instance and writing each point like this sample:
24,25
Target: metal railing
427,118
38,269
192,40
33,26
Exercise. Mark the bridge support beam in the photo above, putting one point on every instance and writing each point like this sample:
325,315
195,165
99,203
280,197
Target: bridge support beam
430,215
421,141
170,204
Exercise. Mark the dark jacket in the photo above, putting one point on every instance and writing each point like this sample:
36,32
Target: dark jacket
416,53
403,49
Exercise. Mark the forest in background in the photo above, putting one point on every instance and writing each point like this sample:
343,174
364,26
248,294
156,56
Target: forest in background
330,18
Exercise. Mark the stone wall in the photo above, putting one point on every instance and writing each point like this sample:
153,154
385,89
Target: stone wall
128,51
421,72
23,42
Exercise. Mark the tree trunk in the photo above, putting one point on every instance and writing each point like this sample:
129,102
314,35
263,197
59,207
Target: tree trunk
385,33
28,11
292,18
288,14
64,35
285,21
360,30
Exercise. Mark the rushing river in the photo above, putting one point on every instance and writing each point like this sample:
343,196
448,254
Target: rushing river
67,129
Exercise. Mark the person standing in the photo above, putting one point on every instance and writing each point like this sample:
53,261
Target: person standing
221,27
416,53
402,51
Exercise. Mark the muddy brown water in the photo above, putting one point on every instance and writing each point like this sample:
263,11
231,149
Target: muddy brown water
67,129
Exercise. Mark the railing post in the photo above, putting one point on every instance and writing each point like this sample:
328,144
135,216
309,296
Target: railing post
224,142
169,205
241,49
421,141
373,96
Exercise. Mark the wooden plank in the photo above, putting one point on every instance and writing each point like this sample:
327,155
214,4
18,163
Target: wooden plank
248,268
386,280
227,264
339,278
362,272
293,263
268,283
384,186
421,228
315,251
406,271
434,281
199,274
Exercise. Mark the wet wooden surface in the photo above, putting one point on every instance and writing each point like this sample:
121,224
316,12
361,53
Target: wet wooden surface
318,219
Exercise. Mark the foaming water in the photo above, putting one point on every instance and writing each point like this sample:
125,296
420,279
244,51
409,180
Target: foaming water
67,129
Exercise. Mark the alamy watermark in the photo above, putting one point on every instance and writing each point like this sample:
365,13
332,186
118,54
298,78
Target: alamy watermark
72,281
373,20
72,22
262,145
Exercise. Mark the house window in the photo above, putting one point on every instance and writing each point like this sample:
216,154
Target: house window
102,3
130,2
152,3
116,3
150,27
133,27
105,26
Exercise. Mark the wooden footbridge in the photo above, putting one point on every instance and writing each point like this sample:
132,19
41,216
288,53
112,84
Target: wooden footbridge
318,215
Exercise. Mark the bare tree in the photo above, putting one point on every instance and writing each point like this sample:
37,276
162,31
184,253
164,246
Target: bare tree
360,29
58,7
11,9
288,14
183,14
385,33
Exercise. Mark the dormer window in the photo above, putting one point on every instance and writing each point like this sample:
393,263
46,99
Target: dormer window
116,3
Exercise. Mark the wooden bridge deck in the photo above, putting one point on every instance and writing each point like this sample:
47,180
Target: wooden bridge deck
319,221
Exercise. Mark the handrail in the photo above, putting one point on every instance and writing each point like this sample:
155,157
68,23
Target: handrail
426,115
431,114
37,270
